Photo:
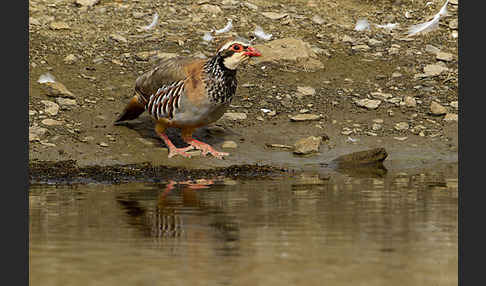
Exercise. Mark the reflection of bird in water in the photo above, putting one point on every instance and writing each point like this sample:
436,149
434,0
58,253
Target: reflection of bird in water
176,214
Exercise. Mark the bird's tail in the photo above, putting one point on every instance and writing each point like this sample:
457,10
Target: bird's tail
134,108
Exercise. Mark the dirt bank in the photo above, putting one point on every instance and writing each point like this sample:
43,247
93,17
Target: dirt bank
97,53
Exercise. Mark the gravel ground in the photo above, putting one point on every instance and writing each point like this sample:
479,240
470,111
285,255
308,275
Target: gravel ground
318,80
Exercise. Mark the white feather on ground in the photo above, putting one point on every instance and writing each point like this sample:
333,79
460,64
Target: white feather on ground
226,28
261,34
361,25
47,77
207,37
389,26
429,25
154,22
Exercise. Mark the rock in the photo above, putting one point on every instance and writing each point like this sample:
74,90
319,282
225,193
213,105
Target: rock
451,117
454,34
304,117
213,9
290,49
454,104
361,48
306,90
51,107
443,56
376,126
280,146
454,2
86,3
434,70
153,55
307,145
274,16
410,101
70,59
103,144
437,109
453,24
432,49
229,144
374,42
57,89
66,102
381,95
51,122
401,138
118,38
318,20
251,6
401,126
347,39
368,103
59,26
373,156
35,133
234,116
34,21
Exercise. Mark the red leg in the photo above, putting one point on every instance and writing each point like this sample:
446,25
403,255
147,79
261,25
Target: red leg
205,148
173,150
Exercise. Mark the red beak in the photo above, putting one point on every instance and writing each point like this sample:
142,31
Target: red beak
252,52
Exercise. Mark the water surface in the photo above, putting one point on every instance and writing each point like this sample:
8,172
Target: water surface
388,229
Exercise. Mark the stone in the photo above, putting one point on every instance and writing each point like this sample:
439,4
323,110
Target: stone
307,145
454,104
318,20
59,26
304,117
66,102
274,16
453,24
290,49
434,70
119,38
57,89
306,90
35,133
250,6
52,108
410,101
213,9
367,157
368,103
70,59
454,2
51,122
432,49
437,109
280,146
401,138
103,144
376,126
361,48
229,144
443,56
401,126
234,116
451,117
374,42
153,55
86,3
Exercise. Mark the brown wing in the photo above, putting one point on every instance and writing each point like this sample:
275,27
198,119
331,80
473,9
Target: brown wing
165,73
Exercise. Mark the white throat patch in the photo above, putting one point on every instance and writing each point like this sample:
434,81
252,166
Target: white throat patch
233,61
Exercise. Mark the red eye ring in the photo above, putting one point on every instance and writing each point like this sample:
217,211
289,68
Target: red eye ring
237,47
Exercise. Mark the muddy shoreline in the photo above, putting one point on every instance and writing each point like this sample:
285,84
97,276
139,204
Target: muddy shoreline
357,90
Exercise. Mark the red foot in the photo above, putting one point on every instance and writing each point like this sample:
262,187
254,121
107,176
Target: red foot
206,148
180,151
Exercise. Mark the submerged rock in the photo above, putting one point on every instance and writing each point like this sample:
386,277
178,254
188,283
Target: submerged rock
307,145
373,156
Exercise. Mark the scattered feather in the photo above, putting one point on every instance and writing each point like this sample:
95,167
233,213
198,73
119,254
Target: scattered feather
389,26
226,28
207,37
264,110
261,34
429,25
154,22
352,140
361,25
428,3
45,78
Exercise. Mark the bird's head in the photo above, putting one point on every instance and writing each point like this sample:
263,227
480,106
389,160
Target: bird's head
235,51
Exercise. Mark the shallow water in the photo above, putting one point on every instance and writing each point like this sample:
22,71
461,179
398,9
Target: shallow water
388,229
